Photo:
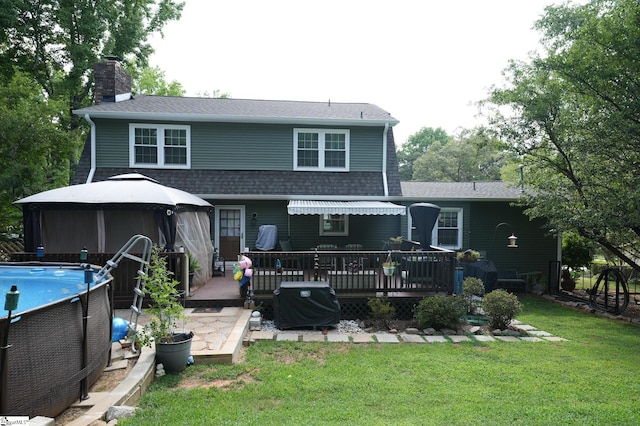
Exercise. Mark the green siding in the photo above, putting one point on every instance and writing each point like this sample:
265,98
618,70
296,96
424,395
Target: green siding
112,143
535,246
233,146
480,219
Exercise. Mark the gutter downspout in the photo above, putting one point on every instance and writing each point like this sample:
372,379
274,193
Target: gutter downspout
93,148
384,160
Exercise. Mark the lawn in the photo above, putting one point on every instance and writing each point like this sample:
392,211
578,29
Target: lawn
589,380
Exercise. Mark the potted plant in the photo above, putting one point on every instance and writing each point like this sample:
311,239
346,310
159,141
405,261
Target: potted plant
388,266
395,242
165,308
468,256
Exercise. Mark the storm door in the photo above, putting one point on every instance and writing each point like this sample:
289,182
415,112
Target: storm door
230,228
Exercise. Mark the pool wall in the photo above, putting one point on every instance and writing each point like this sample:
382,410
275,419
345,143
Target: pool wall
44,369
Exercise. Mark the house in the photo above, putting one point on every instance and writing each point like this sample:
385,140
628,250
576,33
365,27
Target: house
320,172
482,216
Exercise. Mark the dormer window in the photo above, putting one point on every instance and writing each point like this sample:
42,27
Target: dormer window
321,149
159,145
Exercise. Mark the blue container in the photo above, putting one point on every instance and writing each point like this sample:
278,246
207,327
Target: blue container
458,279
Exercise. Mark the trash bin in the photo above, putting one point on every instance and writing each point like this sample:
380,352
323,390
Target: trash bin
298,304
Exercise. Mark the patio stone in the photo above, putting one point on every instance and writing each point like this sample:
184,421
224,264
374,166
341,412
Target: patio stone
436,339
337,338
262,335
386,338
363,338
484,338
508,339
412,338
554,339
457,338
531,339
287,337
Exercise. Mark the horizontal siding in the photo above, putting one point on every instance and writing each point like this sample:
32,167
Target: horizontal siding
112,143
535,247
366,149
233,146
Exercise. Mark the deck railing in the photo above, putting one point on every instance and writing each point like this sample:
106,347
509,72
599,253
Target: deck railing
357,272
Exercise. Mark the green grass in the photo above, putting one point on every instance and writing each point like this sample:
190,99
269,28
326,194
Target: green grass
589,380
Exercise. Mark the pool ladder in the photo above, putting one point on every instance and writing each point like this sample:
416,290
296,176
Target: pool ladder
138,290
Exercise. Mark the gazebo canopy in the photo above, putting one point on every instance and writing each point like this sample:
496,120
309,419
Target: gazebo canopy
131,188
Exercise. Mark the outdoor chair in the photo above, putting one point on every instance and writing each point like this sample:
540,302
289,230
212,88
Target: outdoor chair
327,262
510,278
289,261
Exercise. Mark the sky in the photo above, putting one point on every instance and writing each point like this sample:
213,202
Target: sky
426,62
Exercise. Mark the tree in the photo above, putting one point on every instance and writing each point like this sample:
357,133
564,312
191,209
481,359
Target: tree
415,147
34,146
468,157
58,41
576,250
152,81
574,118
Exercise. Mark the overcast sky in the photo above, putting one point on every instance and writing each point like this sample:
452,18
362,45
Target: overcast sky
426,62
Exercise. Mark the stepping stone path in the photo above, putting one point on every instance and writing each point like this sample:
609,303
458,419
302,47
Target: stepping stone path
529,334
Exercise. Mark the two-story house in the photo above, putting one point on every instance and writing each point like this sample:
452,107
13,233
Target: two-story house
321,172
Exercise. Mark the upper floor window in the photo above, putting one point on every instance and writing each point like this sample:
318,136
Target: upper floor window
321,149
334,224
159,145
448,230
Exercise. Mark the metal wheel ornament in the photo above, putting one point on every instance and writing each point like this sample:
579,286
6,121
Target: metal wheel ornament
610,293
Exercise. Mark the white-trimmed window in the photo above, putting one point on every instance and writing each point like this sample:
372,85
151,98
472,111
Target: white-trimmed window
321,149
334,224
448,230
159,145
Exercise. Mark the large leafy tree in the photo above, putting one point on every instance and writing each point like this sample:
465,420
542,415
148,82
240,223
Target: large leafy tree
152,81
573,115
47,52
472,155
416,146
34,147
58,41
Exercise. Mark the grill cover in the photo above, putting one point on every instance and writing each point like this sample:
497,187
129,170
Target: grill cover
305,304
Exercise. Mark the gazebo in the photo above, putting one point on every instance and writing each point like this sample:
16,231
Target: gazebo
102,216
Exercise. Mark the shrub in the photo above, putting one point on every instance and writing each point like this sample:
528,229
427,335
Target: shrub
501,307
381,310
440,312
472,286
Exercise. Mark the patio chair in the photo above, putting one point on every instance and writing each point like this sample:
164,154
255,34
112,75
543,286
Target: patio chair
289,261
327,262
511,279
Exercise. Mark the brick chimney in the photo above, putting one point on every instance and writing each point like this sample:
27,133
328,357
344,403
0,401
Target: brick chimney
112,83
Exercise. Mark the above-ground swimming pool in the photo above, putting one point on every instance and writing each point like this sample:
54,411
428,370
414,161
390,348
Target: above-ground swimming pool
45,368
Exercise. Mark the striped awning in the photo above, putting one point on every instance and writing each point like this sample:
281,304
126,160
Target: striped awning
345,207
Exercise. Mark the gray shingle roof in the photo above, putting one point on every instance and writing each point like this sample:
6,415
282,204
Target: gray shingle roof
460,191
261,183
241,110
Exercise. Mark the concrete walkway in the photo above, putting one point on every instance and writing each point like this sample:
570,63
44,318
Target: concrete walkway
534,335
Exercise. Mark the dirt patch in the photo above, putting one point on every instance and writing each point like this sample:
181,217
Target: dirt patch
223,384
